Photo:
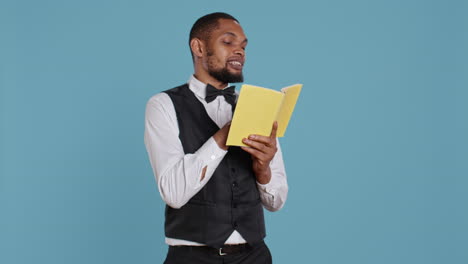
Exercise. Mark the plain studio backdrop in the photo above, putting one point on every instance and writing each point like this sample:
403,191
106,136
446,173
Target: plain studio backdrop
376,152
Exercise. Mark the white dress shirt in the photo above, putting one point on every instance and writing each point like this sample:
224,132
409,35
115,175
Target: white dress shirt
179,175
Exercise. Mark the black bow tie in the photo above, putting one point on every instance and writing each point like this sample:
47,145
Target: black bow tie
228,93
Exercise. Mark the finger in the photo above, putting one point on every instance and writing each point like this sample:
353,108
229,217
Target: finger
274,129
265,153
262,139
256,145
256,154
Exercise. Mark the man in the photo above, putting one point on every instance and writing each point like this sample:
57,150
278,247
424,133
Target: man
214,193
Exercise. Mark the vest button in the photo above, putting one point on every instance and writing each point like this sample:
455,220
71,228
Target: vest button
234,224
234,184
233,170
234,205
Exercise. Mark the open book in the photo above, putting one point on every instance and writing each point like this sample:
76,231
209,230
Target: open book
256,110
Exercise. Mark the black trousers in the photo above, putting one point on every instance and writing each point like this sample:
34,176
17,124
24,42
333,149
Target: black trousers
257,254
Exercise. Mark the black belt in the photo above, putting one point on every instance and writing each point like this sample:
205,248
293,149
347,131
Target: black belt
225,250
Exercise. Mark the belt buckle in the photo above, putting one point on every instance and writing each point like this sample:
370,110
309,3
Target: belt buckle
221,253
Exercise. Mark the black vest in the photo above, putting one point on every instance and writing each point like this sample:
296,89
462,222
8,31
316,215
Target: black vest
230,200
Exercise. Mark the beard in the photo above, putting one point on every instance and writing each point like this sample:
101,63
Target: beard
222,74
225,76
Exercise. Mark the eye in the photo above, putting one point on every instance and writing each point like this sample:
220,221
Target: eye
227,42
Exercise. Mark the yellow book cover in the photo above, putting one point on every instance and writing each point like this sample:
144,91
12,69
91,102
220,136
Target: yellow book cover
256,110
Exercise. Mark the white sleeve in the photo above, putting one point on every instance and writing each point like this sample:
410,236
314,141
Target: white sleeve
274,193
177,174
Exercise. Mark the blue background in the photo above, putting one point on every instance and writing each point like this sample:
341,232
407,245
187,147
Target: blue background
376,153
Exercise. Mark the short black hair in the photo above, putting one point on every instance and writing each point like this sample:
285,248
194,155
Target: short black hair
203,27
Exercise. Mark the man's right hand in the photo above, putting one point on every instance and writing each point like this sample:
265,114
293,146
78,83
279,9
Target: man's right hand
221,136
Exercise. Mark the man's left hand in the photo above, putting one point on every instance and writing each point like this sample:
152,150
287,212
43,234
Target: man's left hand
262,149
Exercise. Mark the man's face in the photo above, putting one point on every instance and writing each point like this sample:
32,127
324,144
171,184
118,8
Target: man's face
226,52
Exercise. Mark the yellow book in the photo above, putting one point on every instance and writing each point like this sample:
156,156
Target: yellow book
256,110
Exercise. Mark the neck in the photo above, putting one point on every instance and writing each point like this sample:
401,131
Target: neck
204,77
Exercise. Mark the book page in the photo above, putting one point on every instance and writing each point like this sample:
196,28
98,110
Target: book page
256,110
291,93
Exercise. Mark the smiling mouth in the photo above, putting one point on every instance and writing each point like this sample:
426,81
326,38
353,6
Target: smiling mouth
236,65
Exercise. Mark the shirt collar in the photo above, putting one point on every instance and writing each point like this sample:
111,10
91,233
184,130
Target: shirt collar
198,87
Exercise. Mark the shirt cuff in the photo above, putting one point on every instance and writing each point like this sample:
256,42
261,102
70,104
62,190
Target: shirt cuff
267,188
210,152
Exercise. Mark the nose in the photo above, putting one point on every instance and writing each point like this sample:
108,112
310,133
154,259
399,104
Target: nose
239,51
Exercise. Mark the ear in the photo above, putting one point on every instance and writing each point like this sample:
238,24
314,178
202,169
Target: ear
198,47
